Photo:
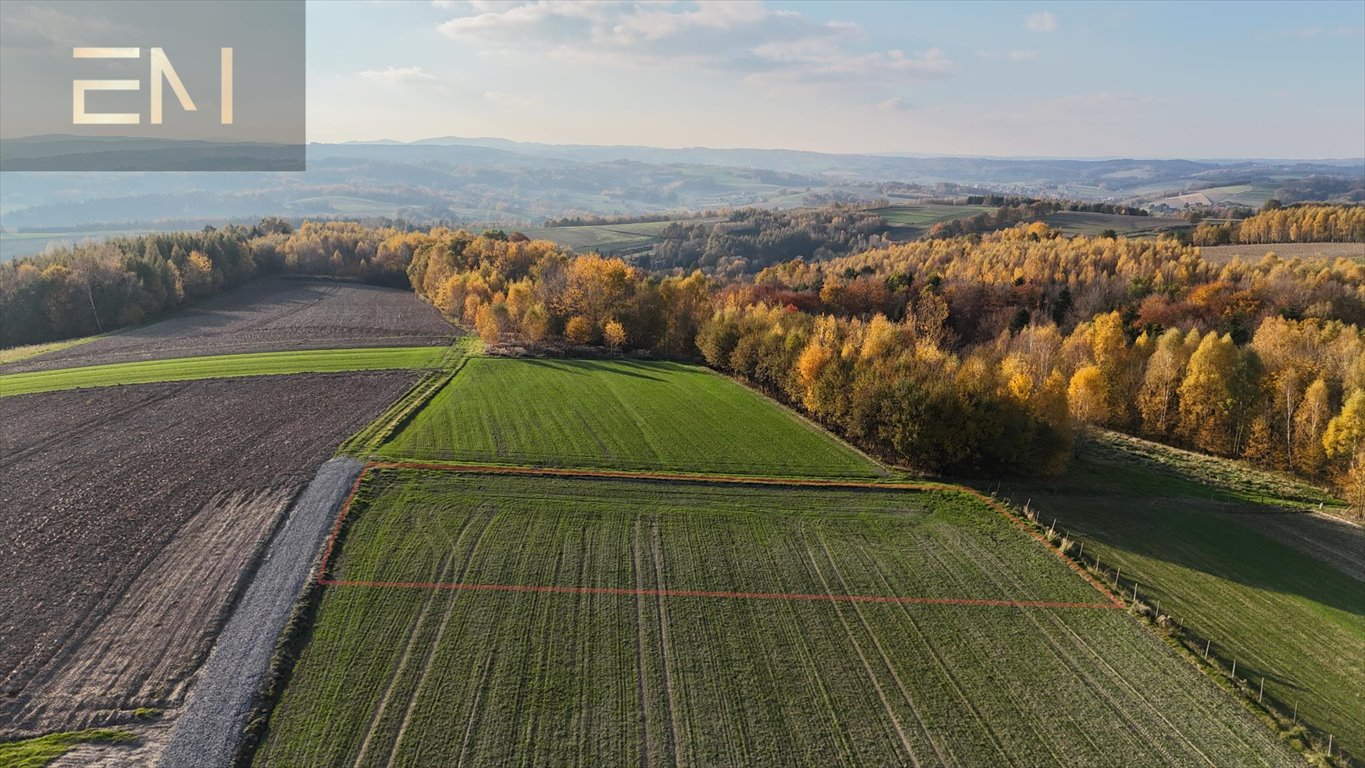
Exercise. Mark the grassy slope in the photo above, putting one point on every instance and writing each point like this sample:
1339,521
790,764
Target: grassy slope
502,678
15,354
38,752
617,415
607,238
1278,611
1092,224
222,366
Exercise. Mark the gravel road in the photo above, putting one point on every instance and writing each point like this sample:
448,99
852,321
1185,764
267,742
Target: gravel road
209,728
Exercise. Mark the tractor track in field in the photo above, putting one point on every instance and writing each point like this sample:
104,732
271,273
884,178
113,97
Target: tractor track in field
1112,601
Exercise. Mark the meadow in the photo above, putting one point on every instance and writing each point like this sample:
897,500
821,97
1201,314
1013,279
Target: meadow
606,239
910,221
632,622
222,366
1205,545
1094,224
617,415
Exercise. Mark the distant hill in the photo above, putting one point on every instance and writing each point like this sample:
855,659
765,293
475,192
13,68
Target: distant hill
479,181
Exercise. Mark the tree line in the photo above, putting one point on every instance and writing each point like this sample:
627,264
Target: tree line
97,287
1306,223
976,352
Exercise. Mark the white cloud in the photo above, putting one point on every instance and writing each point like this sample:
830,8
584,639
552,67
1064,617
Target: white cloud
42,27
505,99
1043,21
397,75
741,38
868,67
895,104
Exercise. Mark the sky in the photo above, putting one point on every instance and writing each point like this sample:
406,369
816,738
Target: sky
1012,79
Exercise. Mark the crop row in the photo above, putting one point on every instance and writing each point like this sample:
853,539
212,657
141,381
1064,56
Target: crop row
617,414
427,676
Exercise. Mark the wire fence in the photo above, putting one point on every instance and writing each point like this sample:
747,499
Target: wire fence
1213,658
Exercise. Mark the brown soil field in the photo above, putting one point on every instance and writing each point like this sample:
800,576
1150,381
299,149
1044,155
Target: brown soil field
132,517
1222,253
266,315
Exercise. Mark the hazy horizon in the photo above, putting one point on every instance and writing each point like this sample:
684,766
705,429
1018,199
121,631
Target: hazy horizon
1009,80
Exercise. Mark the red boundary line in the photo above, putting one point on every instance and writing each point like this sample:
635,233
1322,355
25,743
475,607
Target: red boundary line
1113,601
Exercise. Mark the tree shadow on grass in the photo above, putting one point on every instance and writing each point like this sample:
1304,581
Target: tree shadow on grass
1132,504
633,368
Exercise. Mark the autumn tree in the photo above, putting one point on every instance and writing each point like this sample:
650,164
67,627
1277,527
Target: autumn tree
1207,396
1157,402
578,330
614,334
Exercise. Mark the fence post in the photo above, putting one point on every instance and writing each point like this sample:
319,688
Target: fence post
1207,643
1116,577
1135,591
1234,670
1261,695
1081,554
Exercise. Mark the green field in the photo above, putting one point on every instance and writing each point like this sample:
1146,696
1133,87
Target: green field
16,244
1093,224
15,354
438,676
1252,195
617,415
911,221
223,366
606,239
1207,554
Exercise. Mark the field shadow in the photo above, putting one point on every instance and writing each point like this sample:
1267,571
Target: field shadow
1137,508
634,368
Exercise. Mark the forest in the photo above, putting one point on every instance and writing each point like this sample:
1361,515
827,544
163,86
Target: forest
1302,223
753,238
954,354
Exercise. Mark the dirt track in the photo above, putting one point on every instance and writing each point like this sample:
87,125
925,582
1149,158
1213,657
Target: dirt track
209,728
129,514
270,314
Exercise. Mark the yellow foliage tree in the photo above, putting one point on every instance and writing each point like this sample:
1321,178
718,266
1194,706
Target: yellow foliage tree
614,334
1086,395
578,330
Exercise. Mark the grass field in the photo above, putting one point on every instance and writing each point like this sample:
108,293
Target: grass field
1254,253
617,664
606,238
1205,554
223,366
40,751
617,415
16,244
1253,195
911,221
15,354
1092,224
